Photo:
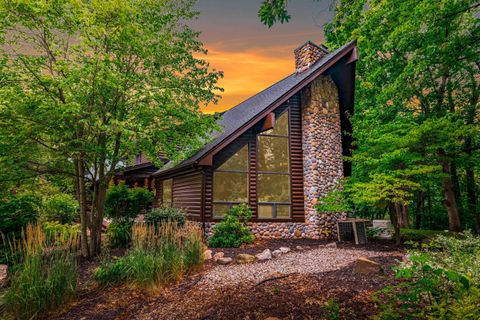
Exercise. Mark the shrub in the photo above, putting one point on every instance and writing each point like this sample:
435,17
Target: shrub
125,204
46,277
61,208
441,281
159,256
232,231
18,211
162,215
59,234
119,234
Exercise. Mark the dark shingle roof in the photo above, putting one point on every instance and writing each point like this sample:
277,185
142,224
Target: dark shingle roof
234,118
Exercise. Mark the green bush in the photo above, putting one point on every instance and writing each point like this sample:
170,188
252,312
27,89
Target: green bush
441,281
17,211
60,233
161,215
232,231
119,234
125,204
159,256
61,208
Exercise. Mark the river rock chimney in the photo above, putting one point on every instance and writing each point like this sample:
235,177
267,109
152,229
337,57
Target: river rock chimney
307,54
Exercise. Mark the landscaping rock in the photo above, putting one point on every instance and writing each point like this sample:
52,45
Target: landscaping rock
276,253
265,255
224,260
218,255
284,249
3,275
331,245
365,265
207,254
271,318
300,248
245,258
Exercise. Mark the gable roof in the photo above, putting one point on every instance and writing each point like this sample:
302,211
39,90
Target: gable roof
235,119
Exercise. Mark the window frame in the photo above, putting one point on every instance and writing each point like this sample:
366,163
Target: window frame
171,193
230,204
289,173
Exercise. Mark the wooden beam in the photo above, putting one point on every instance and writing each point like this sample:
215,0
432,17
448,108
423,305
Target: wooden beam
269,122
207,161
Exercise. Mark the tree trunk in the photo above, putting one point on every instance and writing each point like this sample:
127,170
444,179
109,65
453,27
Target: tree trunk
82,199
402,215
472,197
456,190
394,214
449,202
419,209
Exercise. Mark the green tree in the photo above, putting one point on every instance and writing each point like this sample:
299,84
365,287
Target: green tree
86,84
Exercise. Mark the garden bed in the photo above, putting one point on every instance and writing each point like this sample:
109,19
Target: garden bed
294,295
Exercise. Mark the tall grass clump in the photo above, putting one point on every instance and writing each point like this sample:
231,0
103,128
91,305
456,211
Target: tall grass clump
160,255
44,274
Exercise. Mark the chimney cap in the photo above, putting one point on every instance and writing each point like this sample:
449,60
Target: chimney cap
321,47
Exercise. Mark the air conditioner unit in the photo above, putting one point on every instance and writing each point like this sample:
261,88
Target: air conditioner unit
352,230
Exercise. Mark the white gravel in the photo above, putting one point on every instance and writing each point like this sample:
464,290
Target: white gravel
303,262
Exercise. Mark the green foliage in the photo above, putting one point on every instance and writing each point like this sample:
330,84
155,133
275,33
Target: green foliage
332,309
159,256
56,231
419,235
17,211
119,234
161,215
273,11
125,204
61,208
441,281
232,231
335,201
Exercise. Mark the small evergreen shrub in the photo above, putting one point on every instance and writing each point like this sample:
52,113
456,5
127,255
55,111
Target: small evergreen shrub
61,208
125,204
119,234
162,215
232,231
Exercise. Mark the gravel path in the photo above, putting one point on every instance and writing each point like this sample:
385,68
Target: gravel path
302,262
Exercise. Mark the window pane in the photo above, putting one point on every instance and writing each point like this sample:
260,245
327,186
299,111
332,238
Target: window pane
238,162
230,186
272,154
273,188
219,210
283,211
281,125
265,211
167,192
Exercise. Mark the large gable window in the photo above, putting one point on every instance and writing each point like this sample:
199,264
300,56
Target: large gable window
230,182
273,172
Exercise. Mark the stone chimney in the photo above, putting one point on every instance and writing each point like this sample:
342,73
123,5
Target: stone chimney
307,54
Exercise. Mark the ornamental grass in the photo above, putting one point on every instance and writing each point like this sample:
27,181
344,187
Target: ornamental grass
160,255
44,271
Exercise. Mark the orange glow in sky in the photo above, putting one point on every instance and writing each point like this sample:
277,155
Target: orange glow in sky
252,56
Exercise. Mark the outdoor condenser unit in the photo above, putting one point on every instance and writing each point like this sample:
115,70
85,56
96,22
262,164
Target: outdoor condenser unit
352,229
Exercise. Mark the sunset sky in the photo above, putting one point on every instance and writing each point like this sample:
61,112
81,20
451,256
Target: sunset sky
251,55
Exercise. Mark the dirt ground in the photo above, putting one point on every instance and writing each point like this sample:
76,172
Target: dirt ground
337,294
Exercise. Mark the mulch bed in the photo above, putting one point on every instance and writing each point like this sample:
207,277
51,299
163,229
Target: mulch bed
295,296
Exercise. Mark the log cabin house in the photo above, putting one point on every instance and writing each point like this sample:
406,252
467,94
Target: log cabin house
278,151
